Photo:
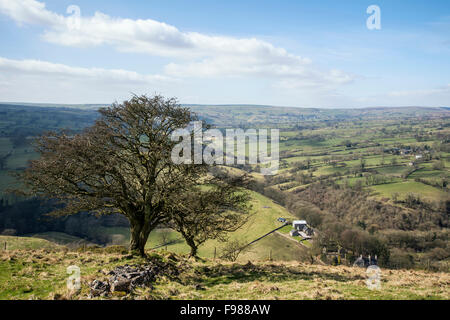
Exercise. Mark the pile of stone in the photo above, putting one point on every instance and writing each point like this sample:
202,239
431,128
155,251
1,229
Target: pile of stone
126,278
99,288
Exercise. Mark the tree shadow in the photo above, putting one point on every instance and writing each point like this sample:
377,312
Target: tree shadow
225,274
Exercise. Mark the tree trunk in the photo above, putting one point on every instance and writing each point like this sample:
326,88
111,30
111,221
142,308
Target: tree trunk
139,234
194,248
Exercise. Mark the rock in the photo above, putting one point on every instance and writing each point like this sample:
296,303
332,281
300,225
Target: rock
123,285
199,287
127,277
172,257
57,296
99,288
248,266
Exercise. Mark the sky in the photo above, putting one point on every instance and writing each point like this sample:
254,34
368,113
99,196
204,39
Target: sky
285,53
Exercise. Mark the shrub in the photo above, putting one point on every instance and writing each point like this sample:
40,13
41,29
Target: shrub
116,249
9,232
399,259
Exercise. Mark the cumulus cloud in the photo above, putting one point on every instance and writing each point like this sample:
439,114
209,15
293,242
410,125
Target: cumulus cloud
197,55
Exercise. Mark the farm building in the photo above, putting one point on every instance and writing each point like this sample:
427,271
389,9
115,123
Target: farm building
294,233
301,228
299,224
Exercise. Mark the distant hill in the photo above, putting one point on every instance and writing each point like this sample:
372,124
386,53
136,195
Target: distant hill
55,105
256,115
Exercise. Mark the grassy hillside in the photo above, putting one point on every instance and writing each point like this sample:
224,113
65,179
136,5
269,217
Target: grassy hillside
381,169
61,238
405,187
25,243
42,274
264,217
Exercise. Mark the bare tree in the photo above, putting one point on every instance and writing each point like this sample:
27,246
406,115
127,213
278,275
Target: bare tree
232,250
165,235
211,211
120,164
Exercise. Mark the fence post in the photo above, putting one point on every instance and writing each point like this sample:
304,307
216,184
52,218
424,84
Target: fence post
270,256
5,245
215,251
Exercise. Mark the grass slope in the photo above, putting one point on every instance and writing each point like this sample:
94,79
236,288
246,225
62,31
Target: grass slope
42,274
61,238
264,219
24,243
405,187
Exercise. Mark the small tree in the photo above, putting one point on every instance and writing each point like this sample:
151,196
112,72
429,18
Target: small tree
120,164
232,250
362,164
210,211
165,235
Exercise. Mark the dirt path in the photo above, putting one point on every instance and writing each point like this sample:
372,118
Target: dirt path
292,239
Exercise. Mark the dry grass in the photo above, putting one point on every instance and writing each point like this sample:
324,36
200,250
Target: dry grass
41,274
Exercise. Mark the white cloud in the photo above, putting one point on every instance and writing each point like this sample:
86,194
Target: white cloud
41,68
276,75
30,12
37,67
198,55
44,81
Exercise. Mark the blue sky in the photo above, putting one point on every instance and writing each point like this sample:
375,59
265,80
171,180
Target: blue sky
291,53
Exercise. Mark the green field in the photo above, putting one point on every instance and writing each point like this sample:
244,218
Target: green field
61,238
403,188
23,243
264,215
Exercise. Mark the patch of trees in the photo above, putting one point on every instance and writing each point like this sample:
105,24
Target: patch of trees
26,121
338,237
438,183
300,165
352,204
377,179
4,159
31,216
426,249
272,193
419,241
347,219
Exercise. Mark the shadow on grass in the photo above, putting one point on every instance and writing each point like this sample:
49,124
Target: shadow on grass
225,274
